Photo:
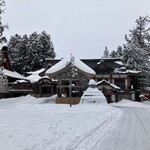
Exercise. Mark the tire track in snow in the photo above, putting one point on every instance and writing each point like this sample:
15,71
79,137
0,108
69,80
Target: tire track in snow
124,134
142,125
56,132
132,131
93,137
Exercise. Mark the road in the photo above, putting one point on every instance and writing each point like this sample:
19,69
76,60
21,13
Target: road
131,133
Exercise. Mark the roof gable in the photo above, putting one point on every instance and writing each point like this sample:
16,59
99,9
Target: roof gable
104,82
62,65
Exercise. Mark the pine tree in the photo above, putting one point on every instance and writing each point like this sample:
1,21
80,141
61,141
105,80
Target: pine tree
1,59
41,47
136,51
106,53
119,52
15,45
113,54
29,53
71,70
2,27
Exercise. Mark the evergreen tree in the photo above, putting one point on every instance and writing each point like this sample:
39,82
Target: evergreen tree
2,27
106,53
71,70
113,54
136,51
0,57
29,53
119,52
14,44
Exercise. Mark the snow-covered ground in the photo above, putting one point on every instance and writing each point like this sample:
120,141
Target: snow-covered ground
129,103
28,123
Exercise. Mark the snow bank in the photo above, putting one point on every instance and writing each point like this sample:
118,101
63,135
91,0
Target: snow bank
146,102
129,103
28,100
53,126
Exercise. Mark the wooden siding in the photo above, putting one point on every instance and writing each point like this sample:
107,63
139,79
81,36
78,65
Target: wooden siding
68,100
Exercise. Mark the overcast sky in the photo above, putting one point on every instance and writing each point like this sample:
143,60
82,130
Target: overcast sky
80,27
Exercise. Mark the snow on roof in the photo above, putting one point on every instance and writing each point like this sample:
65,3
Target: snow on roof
118,70
132,71
36,72
129,103
100,61
147,88
119,62
12,74
77,63
35,78
21,81
112,85
82,66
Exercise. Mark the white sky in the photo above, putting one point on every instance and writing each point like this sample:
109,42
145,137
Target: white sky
80,27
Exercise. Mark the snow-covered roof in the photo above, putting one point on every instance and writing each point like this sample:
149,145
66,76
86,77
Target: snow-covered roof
112,85
12,74
132,71
77,63
100,61
147,88
35,78
123,70
36,72
21,81
119,62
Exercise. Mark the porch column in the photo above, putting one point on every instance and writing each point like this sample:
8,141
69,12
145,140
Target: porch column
126,84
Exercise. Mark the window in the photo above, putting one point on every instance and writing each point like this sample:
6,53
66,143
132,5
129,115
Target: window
120,83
